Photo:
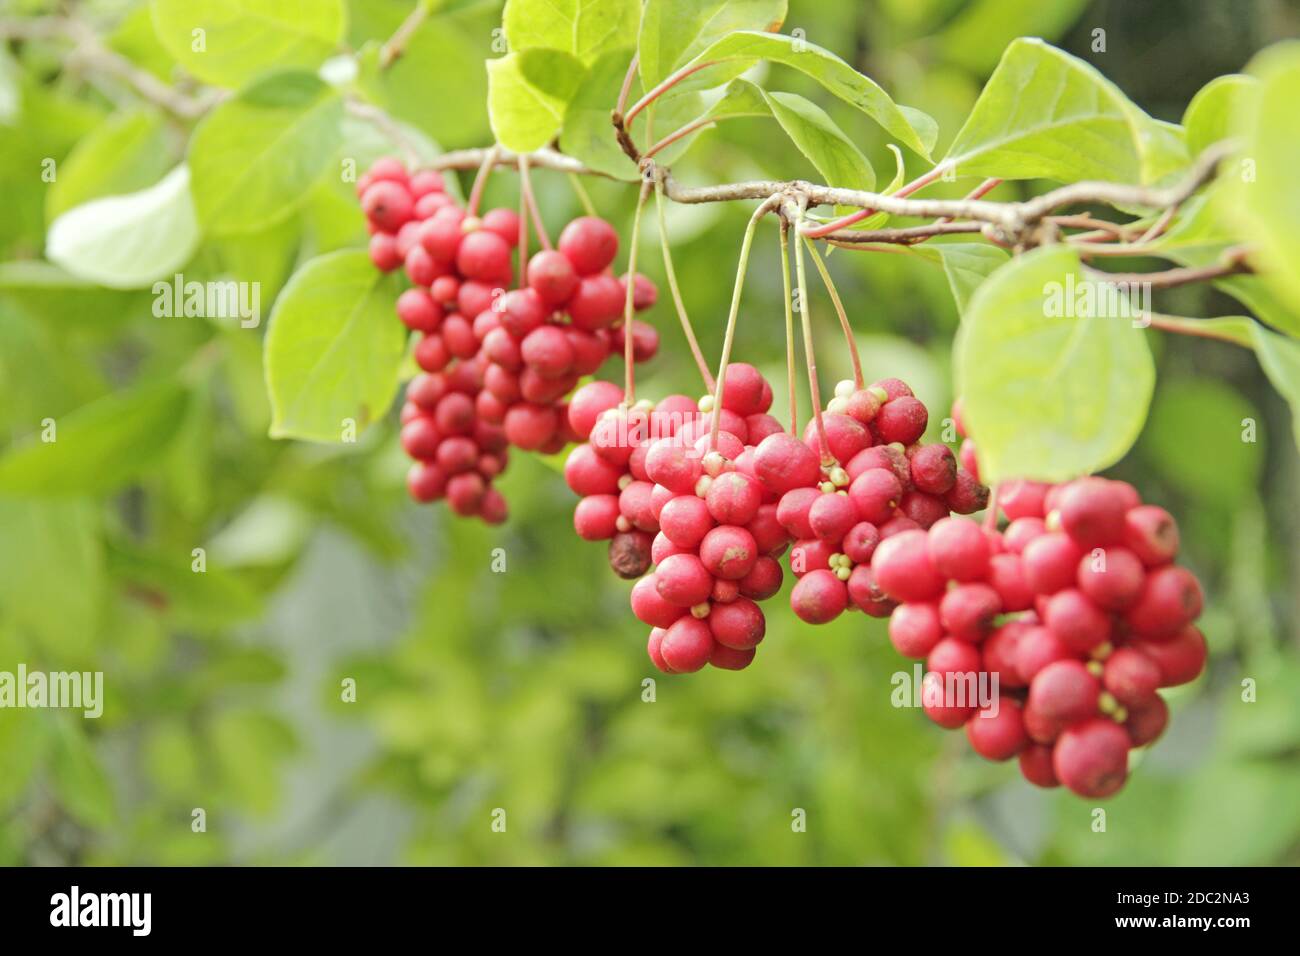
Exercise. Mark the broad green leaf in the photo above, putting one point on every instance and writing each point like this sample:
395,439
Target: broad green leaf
1269,206
966,264
127,153
673,32
585,28
1054,380
100,446
554,73
910,127
125,242
52,573
1209,117
200,601
228,42
334,348
588,134
1279,357
523,116
1262,299
77,774
258,154
815,134
1200,233
1047,115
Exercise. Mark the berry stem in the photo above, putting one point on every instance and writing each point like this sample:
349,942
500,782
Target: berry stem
667,84
813,388
583,197
687,329
849,340
530,200
789,328
523,219
628,77
729,336
480,181
683,131
629,388
977,193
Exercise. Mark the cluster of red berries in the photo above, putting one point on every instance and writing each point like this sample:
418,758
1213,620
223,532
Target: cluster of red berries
496,364
877,480
1049,640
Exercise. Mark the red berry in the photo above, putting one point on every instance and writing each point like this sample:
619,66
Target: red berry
1092,512
860,542
967,495
739,624
1131,677
425,482
1147,722
810,554
586,473
863,405
768,534
1007,576
876,493
521,312
441,235
951,656
505,223
683,580
645,344
551,276
597,303
892,387
845,436
743,390
589,243
793,510
685,520
1051,562
903,568
687,645
940,705
967,611
1036,765
1064,691
644,292
782,462
530,426
1021,531
733,498
997,732
653,648
901,420
457,454
763,580
999,651
730,659
819,597
969,459
889,457
635,505
649,607
425,181
483,255
933,469
1151,533
547,350
388,205
831,516
465,493
727,551
383,252
1037,647
1112,578
1091,758
914,628
1076,620
675,467
589,402
455,414
1022,499
760,426
595,516
959,549
458,335
1170,599
866,594
1180,658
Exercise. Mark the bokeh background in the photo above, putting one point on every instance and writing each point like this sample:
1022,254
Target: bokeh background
522,690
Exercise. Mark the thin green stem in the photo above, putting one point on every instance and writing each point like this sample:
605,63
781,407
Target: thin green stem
667,84
849,340
523,219
629,374
581,192
530,200
814,389
791,377
480,181
687,329
729,336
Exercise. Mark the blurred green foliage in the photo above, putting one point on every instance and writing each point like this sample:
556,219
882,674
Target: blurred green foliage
477,690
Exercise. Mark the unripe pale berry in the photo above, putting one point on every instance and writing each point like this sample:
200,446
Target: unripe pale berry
1091,758
819,597
862,405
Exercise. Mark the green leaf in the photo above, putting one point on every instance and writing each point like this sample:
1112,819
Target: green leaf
1279,357
125,242
334,348
673,32
78,776
910,127
228,42
1047,115
99,447
1269,206
983,27
52,573
587,133
256,156
523,116
1209,116
1048,395
127,153
966,264
840,163
585,28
